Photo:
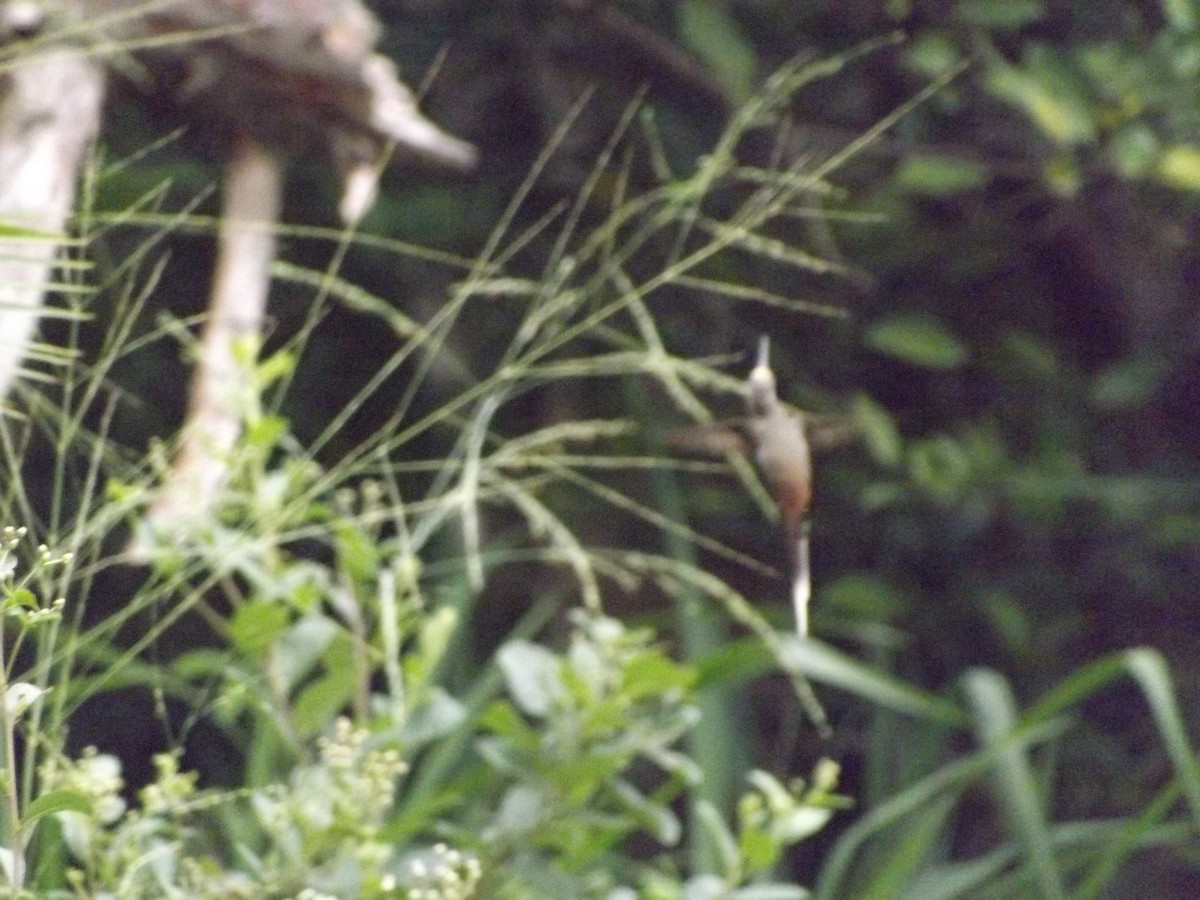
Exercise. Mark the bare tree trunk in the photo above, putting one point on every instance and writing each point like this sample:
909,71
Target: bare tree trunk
253,196
49,116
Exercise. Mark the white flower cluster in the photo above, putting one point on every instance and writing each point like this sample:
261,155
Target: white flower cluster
96,775
29,613
443,874
367,778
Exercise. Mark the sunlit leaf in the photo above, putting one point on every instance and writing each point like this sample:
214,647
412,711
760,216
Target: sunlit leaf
57,801
19,697
1050,92
533,675
254,627
917,339
1179,167
939,176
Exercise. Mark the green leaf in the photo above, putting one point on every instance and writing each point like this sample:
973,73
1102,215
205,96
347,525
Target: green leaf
435,718
1015,788
917,339
257,625
939,176
717,830
357,553
736,661
878,430
325,697
275,367
433,640
1183,15
863,597
1179,167
1149,669
533,675
21,597
652,674
656,818
1134,150
1129,384
502,719
1000,14
941,466
266,432
828,666
295,653
1021,355
57,801
1050,92
933,54
709,30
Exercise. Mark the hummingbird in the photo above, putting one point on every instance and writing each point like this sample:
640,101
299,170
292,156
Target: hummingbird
783,455
779,442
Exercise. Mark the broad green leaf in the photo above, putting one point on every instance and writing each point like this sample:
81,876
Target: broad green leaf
265,432
21,597
1020,354
917,339
323,698
1179,167
296,651
502,719
878,430
1050,92
939,176
652,674
709,30
57,801
941,466
1135,150
533,675
435,718
1129,384
1183,15
357,553
933,54
255,626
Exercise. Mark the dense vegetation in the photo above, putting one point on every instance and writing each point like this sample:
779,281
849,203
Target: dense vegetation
465,626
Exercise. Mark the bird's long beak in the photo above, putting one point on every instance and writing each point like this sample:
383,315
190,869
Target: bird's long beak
764,353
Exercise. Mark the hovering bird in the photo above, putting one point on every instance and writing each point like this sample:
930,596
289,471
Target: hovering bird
781,444
783,455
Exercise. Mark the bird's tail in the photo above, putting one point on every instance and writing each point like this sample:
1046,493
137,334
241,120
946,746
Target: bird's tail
797,536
